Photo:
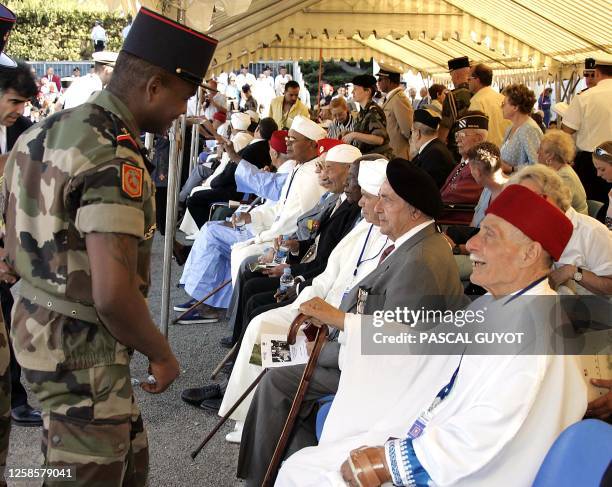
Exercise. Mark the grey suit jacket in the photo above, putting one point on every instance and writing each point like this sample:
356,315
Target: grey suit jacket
421,272
399,115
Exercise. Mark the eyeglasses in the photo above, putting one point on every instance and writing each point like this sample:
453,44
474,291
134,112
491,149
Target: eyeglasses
588,74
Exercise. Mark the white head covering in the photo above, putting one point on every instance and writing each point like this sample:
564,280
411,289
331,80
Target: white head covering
241,140
240,121
308,128
560,108
372,175
344,153
254,115
222,129
105,57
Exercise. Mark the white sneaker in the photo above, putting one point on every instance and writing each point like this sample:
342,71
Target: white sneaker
236,435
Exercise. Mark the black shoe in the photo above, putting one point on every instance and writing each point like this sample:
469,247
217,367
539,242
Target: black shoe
227,342
196,395
26,415
211,405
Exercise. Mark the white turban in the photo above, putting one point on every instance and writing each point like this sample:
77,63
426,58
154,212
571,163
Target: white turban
308,128
372,175
344,153
241,140
560,108
222,129
240,121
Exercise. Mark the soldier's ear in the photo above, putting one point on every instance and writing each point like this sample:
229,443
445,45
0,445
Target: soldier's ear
154,87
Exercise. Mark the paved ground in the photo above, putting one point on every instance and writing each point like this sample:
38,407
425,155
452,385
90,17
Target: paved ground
174,428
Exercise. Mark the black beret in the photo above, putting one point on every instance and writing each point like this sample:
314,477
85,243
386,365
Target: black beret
473,122
415,186
427,117
7,21
169,45
589,63
365,80
458,63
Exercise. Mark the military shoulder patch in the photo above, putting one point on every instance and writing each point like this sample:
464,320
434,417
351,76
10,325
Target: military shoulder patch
131,181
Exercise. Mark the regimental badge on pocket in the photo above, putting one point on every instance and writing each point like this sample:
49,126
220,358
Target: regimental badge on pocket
362,297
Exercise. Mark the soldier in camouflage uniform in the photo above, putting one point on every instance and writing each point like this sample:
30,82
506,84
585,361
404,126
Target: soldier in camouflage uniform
455,104
370,132
80,215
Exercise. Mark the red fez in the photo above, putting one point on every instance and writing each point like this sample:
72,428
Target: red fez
222,117
278,142
326,144
540,220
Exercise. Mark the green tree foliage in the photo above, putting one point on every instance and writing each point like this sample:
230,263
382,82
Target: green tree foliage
59,32
335,73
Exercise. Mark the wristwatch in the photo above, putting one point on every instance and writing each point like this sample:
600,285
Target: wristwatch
578,274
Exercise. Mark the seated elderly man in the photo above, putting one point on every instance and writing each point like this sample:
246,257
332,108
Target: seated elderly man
354,257
460,186
209,265
431,154
585,267
477,432
416,270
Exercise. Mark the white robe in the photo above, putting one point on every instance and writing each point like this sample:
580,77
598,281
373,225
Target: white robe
494,428
329,285
300,193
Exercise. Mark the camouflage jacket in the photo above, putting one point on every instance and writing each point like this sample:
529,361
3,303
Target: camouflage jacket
371,120
78,171
455,105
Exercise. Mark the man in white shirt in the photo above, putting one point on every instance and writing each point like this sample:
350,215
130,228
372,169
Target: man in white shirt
98,36
589,116
281,80
83,87
476,432
126,29
488,101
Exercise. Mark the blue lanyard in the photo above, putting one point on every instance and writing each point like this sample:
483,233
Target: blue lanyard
445,391
359,261
523,291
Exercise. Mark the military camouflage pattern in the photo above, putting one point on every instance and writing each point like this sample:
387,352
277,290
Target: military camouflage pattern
451,113
63,179
79,171
372,120
5,398
91,421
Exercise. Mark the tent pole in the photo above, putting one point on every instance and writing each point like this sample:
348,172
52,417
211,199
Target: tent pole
195,135
177,141
319,83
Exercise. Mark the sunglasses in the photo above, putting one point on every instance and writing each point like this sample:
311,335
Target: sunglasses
599,151
588,74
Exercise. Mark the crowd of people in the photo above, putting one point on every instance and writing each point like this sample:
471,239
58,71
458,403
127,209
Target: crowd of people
458,201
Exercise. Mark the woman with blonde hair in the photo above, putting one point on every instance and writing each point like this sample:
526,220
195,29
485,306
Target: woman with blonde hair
557,151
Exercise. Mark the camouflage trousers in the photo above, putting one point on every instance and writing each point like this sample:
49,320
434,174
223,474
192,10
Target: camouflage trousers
5,399
91,421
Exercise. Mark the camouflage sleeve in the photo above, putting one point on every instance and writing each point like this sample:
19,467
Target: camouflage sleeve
109,198
376,124
5,397
447,115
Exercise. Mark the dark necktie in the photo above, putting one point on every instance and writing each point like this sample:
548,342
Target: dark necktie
386,253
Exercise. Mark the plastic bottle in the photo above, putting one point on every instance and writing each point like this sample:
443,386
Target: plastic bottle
286,280
282,253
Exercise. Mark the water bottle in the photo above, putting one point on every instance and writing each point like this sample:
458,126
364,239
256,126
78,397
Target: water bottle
286,281
282,253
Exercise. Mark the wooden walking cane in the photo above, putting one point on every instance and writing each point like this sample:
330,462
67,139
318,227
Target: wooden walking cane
222,421
320,338
212,293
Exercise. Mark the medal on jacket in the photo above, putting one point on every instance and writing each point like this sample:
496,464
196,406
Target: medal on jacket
313,225
362,297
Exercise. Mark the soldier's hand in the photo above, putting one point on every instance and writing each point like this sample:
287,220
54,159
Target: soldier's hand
164,371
